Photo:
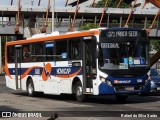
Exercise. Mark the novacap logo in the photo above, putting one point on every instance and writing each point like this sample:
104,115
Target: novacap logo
122,81
46,71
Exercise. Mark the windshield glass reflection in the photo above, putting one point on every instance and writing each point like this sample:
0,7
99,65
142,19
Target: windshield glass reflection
123,55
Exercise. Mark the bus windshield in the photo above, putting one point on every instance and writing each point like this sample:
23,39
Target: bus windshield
123,54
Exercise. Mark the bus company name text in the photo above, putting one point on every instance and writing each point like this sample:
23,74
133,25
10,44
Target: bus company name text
63,71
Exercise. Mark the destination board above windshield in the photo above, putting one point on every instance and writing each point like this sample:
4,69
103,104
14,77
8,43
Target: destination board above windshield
123,33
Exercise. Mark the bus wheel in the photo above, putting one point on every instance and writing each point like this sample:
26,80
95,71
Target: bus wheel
30,88
79,92
121,98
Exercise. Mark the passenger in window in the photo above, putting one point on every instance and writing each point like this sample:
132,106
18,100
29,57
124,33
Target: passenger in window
26,54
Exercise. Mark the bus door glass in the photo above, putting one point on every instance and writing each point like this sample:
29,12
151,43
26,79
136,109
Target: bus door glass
89,61
18,59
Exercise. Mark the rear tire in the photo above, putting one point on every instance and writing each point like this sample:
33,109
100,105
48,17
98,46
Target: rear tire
30,88
80,97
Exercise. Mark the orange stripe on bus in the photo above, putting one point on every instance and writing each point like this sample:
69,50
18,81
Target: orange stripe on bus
28,70
6,64
47,68
7,71
52,38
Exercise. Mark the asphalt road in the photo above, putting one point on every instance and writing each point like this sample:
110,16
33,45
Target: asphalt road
96,108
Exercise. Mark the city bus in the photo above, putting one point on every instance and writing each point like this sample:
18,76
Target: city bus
103,61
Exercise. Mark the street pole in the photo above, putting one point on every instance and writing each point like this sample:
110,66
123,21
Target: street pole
53,7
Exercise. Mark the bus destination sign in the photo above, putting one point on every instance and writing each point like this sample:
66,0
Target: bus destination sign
113,34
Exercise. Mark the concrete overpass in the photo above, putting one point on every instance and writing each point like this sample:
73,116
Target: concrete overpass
114,17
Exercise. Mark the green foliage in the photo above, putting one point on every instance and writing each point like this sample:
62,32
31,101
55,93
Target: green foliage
100,4
113,4
3,42
155,44
88,26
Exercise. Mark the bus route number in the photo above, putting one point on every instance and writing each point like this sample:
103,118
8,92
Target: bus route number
132,34
111,34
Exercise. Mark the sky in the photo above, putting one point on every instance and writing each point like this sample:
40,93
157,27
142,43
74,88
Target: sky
44,3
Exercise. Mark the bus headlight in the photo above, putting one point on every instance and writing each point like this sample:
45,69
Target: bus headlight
109,82
102,79
152,83
105,80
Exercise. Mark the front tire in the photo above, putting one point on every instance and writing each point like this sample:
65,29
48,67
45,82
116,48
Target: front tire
30,88
80,97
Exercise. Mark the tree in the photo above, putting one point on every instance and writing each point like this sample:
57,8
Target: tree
88,26
155,44
114,3
100,4
3,42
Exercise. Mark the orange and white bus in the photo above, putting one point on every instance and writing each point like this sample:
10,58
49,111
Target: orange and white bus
94,62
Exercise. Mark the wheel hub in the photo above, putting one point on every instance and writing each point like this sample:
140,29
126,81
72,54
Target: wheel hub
79,91
30,88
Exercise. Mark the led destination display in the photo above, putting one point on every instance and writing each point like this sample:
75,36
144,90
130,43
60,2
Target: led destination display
122,34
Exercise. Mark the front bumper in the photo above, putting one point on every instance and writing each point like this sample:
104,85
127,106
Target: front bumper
129,89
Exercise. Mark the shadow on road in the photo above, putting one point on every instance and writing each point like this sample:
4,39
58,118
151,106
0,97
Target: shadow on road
110,99
107,99
4,108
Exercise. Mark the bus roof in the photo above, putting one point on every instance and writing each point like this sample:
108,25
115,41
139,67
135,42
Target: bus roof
57,36
52,37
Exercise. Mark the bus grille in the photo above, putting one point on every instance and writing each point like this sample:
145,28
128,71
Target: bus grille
128,88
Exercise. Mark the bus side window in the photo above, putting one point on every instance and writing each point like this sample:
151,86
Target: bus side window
37,52
61,50
74,49
10,52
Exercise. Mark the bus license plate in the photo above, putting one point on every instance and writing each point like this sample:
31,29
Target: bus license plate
158,88
129,88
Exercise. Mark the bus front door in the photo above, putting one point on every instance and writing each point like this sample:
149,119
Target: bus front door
89,64
18,59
